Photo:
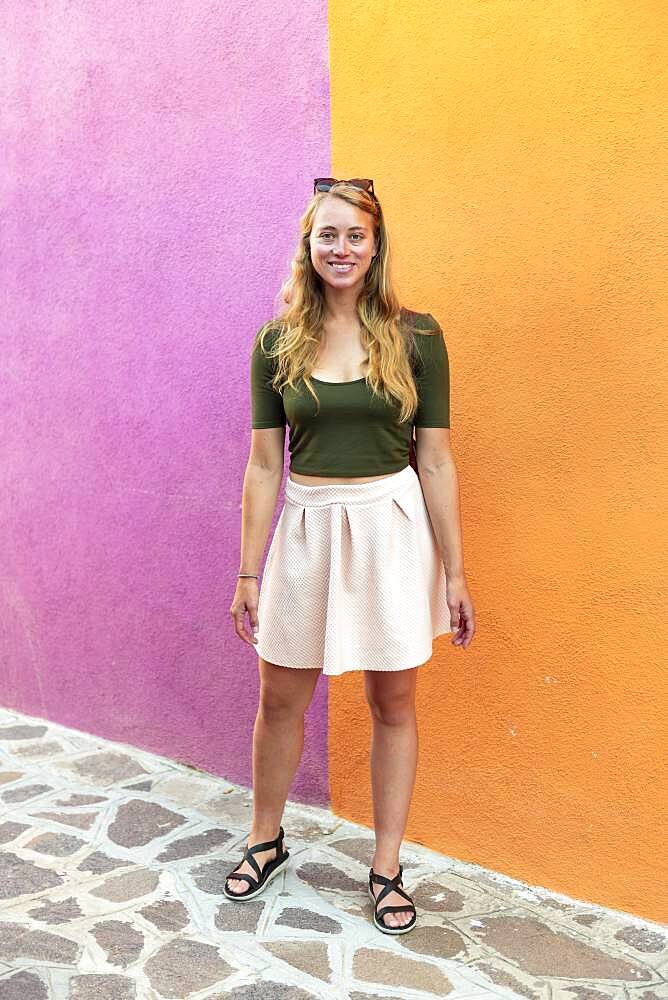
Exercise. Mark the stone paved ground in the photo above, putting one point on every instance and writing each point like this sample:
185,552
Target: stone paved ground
112,864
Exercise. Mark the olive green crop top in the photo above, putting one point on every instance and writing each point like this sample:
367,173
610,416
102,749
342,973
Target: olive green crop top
356,433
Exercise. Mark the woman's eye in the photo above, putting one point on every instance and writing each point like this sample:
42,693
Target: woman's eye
357,236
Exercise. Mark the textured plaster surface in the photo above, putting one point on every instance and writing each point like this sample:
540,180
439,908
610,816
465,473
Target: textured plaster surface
155,161
519,151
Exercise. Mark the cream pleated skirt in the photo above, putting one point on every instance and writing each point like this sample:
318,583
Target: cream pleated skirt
353,578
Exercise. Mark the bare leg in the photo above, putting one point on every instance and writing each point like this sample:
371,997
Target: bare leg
394,750
278,740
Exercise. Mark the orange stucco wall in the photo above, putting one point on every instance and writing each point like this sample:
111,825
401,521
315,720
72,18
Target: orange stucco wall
517,149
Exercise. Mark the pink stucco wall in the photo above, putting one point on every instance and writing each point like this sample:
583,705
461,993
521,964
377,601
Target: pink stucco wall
156,159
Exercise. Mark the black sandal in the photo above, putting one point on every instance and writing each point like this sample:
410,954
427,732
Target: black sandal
270,869
390,885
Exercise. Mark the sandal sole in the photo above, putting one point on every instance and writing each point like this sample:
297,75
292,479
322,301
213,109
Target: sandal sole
383,927
256,892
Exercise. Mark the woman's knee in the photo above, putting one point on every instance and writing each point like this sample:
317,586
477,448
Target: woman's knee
275,705
392,708
285,693
391,696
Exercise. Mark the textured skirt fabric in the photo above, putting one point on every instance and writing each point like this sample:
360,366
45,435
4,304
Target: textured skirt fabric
353,579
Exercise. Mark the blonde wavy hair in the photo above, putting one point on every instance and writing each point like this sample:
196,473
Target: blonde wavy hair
385,336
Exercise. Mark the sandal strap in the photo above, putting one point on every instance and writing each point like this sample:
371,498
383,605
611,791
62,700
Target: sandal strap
253,882
392,909
266,845
248,856
399,892
256,848
384,880
380,914
389,885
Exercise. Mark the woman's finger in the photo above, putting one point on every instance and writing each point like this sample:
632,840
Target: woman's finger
469,625
239,628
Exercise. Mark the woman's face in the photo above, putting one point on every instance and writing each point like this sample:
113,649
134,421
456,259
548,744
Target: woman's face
342,235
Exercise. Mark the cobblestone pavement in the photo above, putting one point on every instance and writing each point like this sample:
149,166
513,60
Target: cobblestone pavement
112,863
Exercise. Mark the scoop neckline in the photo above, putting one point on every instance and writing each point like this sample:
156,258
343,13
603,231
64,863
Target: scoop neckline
350,382
402,309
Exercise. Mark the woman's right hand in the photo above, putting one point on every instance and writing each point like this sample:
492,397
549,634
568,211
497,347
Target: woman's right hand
246,598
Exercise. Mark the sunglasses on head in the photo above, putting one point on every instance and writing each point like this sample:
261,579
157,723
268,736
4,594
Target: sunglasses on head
325,183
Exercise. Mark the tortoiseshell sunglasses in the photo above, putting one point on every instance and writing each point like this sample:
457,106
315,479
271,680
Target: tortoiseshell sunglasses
325,183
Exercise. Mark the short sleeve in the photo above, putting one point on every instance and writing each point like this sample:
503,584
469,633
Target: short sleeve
433,379
266,403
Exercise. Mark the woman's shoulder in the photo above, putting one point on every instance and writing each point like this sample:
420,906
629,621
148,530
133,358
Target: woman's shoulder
266,335
419,322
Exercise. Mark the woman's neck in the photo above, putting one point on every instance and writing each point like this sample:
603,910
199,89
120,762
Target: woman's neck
341,307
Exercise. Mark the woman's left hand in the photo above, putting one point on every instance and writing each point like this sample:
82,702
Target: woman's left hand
462,613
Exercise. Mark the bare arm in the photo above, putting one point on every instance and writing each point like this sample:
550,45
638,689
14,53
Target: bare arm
262,482
440,487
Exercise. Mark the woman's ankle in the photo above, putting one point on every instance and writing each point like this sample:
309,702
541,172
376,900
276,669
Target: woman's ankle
261,832
385,864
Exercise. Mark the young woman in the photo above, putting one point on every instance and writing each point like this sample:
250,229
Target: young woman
365,565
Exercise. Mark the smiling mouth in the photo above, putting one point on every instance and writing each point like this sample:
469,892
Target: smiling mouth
340,267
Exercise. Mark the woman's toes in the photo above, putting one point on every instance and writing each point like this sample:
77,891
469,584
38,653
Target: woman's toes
240,885
397,919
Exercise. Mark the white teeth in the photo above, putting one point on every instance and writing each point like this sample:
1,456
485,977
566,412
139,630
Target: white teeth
341,267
